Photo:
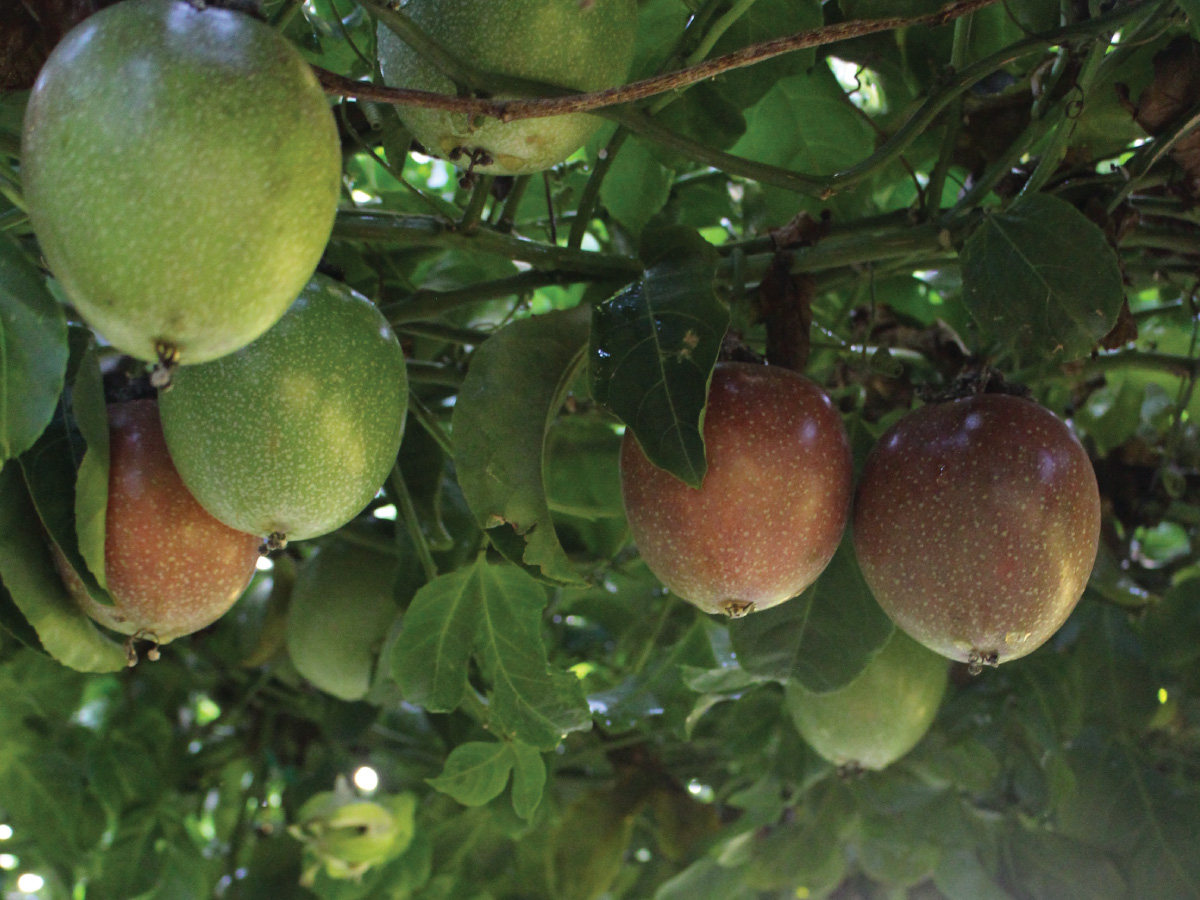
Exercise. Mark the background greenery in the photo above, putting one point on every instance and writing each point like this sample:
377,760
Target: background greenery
1016,188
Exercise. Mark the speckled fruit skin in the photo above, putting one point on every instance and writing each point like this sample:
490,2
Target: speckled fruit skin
581,44
341,610
182,171
879,716
171,567
774,502
976,525
294,434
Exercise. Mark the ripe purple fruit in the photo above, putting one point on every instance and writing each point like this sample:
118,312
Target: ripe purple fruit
773,504
976,525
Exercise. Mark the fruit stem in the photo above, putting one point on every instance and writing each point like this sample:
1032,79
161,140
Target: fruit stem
412,524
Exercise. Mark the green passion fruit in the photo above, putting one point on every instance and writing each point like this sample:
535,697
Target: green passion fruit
881,715
181,168
584,45
293,435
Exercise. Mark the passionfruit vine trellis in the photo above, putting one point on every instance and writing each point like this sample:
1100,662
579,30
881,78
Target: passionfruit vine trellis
959,165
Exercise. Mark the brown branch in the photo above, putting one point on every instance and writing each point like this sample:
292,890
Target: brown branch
510,110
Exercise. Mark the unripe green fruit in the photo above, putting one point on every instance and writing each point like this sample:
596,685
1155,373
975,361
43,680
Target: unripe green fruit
976,525
342,607
171,568
881,715
294,434
584,45
774,502
182,171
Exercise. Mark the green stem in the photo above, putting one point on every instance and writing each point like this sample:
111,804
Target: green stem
419,411
719,28
423,372
591,191
449,333
429,304
508,215
404,230
937,178
408,513
1169,363
474,212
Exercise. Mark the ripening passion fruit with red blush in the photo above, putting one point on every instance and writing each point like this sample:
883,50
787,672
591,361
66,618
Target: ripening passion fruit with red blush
774,502
976,525
171,568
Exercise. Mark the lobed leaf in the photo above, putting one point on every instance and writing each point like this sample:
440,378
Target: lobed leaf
491,612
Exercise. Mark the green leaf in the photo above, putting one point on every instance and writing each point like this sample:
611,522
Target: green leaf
1049,865
535,704
429,660
805,850
475,772
1040,278
804,123
636,187
494,613
46,798
763,21
588,847
91,481
50,467
30,578
960,875
891,852
529,779
33,351
653,349
706,880
823,638
513,391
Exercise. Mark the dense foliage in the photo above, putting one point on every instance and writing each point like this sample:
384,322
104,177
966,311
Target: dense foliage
1011,193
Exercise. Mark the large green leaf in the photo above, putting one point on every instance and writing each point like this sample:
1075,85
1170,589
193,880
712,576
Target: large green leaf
33,352
514,389
823,638
491,612
1040,278
636,187
91,480
50,468
653,348
30,578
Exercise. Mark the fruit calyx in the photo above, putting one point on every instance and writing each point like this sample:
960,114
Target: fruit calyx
977,659
736,609
973,381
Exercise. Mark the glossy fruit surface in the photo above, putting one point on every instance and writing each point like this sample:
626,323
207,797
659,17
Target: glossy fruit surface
171,567
342,607
976,525
294,434
182,171
773,504
583,45
882,714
